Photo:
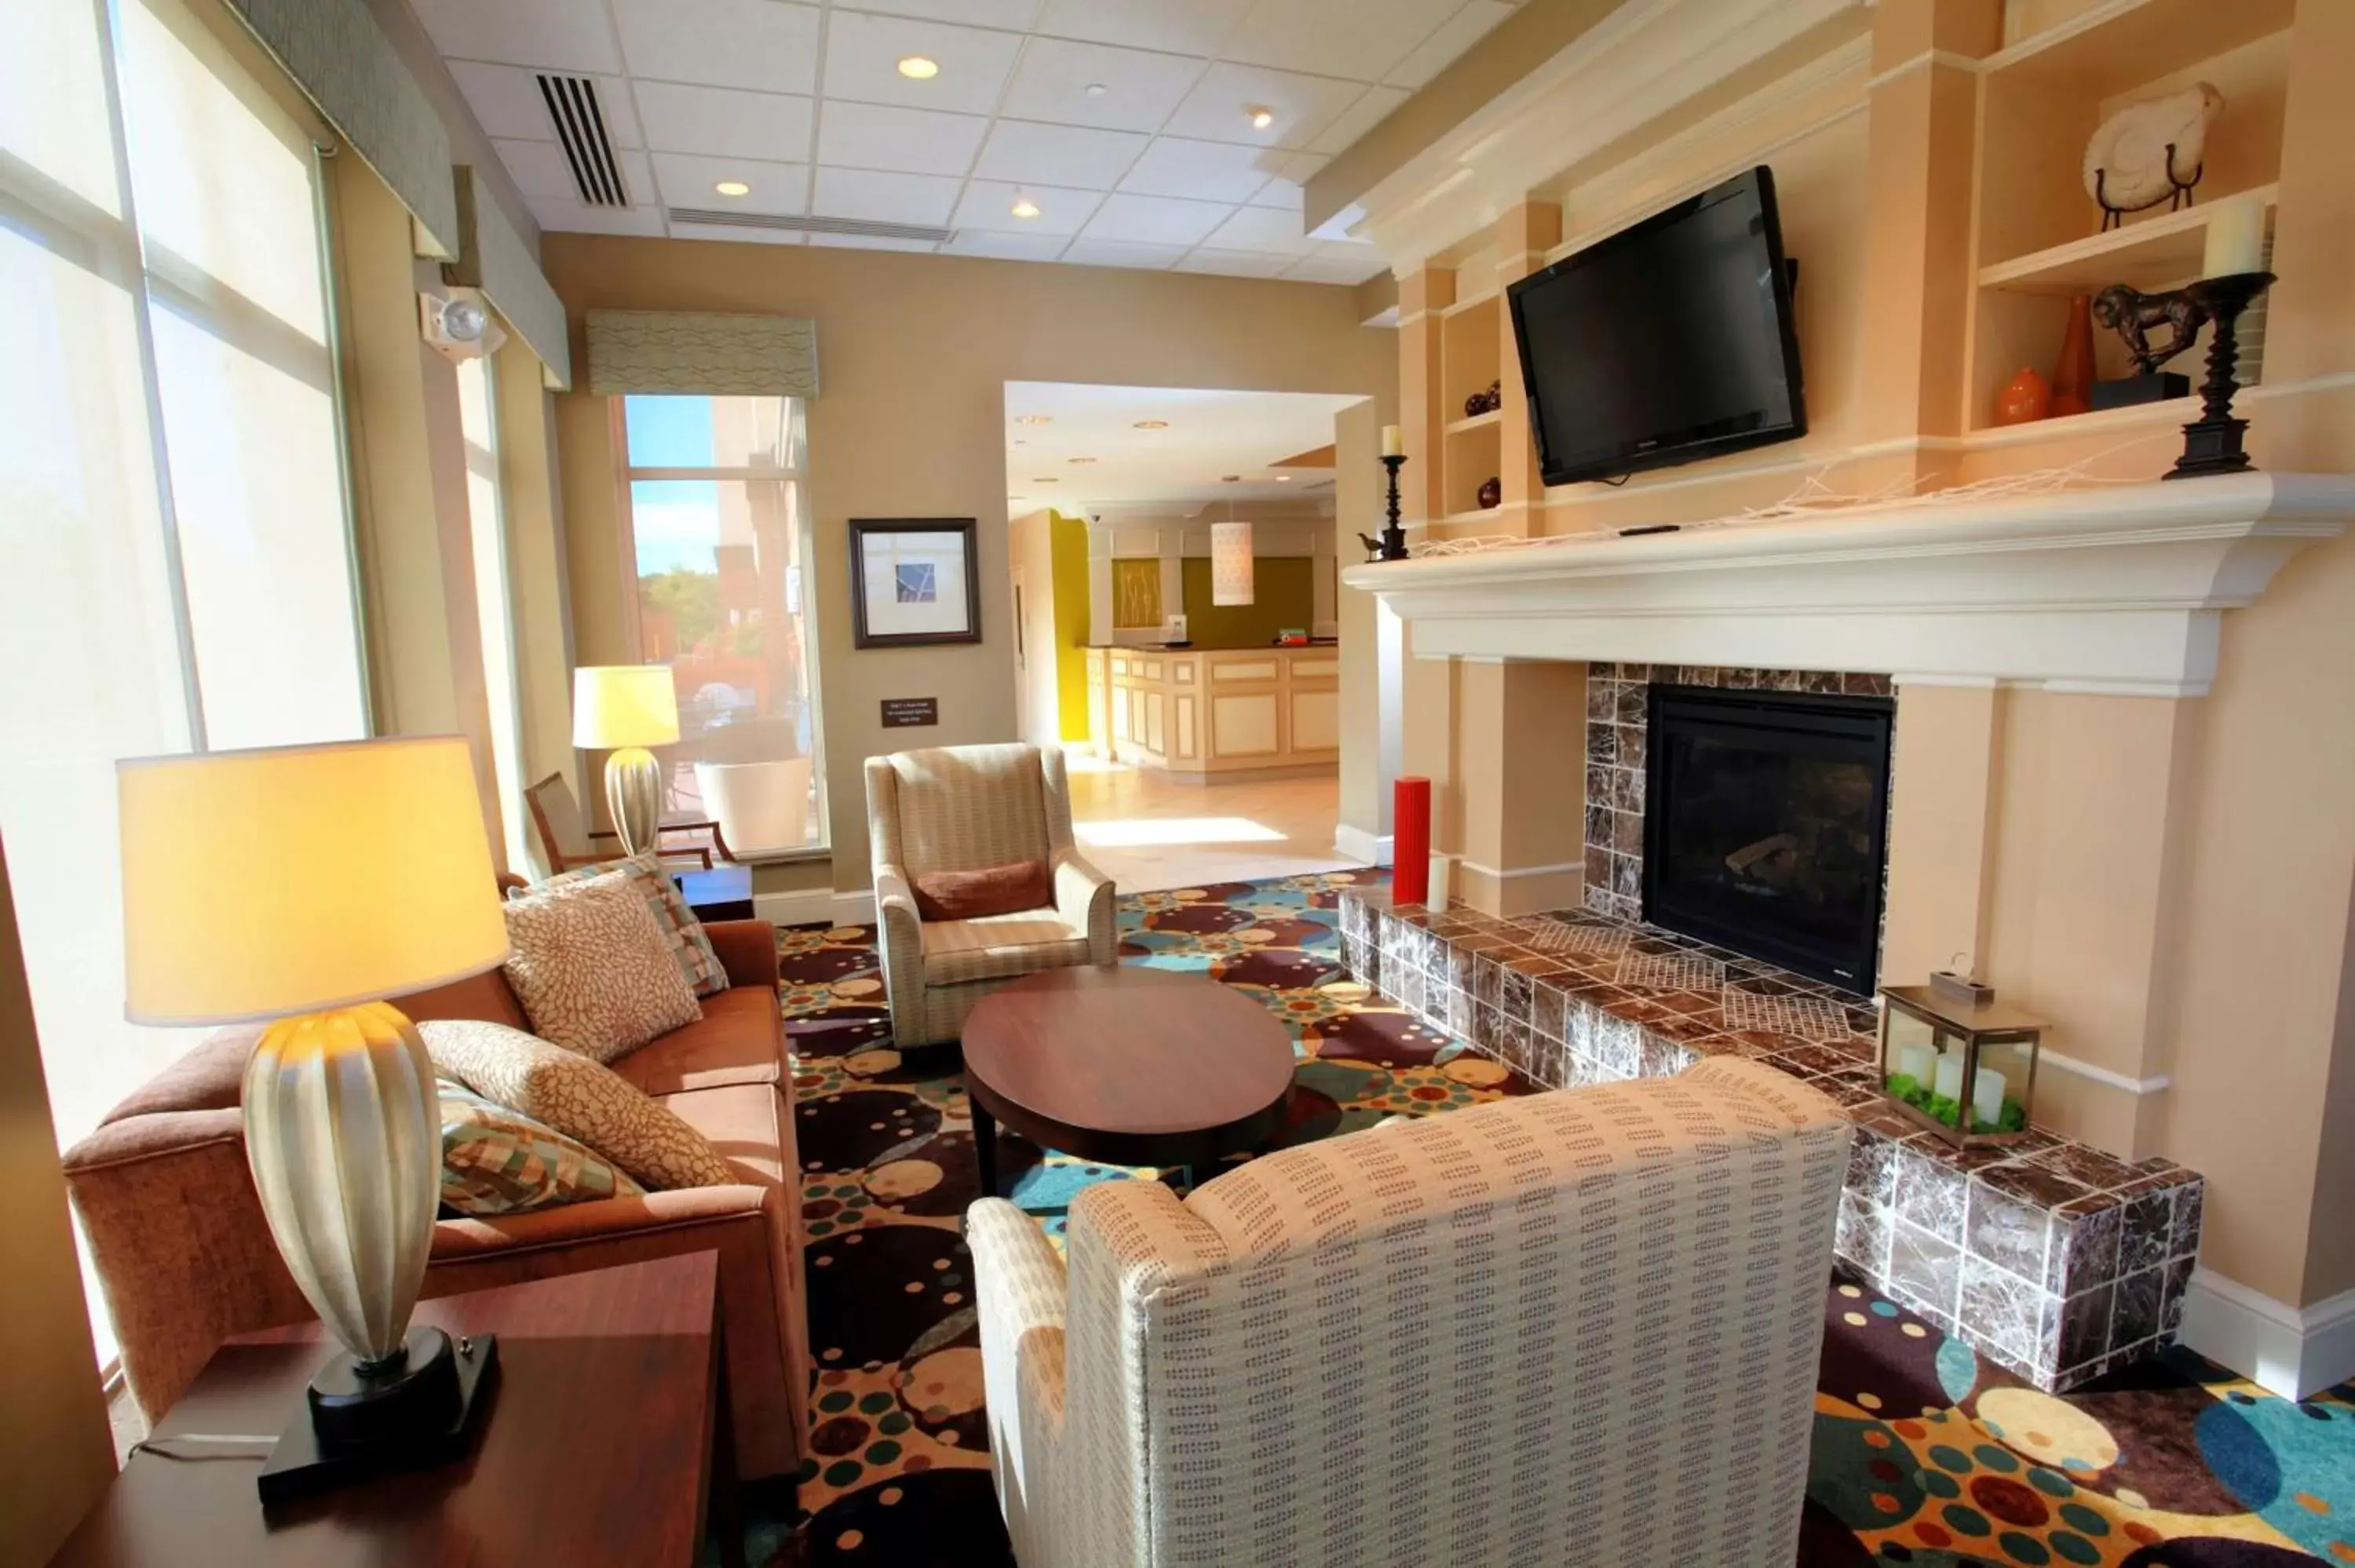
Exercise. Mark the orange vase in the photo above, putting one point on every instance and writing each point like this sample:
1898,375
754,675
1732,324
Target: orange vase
2025,399
2073,372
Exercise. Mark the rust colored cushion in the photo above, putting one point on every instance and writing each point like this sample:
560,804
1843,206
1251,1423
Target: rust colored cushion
994,890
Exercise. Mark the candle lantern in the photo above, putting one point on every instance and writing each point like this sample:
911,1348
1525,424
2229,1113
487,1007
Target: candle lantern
1965,1070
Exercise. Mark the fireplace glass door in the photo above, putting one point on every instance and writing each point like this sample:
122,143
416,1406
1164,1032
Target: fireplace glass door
1766,825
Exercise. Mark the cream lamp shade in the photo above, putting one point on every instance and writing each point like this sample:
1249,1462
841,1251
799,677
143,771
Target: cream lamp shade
257,884
616,705
1230,563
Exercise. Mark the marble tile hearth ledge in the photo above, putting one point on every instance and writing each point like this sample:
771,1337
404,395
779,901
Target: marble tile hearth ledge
2050,1256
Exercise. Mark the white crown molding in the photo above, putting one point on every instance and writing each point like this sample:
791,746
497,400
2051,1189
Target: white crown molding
1641,60
2294,1352
2048,1057
2116,590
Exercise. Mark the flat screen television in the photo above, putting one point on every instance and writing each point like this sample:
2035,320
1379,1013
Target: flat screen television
1668,341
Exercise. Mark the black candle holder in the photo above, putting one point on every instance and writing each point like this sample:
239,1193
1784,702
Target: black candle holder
1393,539
2211,443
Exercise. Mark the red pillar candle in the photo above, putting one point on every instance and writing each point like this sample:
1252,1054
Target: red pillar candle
1410,841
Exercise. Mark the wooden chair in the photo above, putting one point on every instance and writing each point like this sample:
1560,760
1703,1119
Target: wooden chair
566,841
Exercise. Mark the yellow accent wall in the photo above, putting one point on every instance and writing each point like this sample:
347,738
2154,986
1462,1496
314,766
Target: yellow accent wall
1283,594
1068,539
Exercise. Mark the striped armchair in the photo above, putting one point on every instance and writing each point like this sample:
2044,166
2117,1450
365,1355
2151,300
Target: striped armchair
1579,1327
968,807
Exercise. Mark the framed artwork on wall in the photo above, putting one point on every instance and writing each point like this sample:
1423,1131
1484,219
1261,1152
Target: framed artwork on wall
913,582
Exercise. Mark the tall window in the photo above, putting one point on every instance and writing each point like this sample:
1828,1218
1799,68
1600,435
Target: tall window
487,522
720,546
174,559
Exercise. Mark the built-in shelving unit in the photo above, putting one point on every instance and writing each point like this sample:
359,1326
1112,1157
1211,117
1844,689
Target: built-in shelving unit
1474,422
1471,354
2036,234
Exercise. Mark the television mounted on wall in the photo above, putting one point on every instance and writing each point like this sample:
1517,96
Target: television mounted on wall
1668,341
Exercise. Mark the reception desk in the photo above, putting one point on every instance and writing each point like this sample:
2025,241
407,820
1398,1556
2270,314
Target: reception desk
1216,710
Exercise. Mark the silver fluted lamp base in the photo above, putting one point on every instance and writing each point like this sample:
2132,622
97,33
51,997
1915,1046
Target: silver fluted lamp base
634,795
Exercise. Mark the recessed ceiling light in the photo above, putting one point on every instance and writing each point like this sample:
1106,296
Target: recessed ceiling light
919,67
1284,479
1152,424
1259,115
1024,207
1097,90
1034,419
1079,460
732,188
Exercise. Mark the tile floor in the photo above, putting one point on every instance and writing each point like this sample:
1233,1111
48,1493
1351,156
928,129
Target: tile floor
1151,831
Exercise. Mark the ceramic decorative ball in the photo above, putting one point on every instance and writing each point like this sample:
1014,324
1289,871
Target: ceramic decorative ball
1491,492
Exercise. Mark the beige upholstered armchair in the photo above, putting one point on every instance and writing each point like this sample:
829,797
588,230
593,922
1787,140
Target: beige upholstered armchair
972,807
1579,1327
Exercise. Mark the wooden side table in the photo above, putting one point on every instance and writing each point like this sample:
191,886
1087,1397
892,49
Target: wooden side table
607,1441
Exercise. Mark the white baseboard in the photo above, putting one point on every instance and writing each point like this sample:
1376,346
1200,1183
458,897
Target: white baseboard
2294,1352
819,903
1374,849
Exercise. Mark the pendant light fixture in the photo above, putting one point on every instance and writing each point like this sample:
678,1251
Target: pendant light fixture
1231,561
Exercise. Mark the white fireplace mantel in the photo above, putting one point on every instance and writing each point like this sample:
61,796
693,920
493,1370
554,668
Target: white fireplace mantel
2116,589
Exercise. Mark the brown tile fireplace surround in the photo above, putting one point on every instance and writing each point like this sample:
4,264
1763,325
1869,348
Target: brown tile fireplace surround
2051,1257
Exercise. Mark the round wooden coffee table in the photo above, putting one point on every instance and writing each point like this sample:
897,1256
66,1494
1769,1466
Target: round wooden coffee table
1124,1066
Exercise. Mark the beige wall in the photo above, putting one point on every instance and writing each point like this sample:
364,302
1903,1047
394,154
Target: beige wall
2169,882
1358,504
914,352
55,1454
1032,540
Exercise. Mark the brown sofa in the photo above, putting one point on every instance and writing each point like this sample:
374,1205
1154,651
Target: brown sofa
187,1260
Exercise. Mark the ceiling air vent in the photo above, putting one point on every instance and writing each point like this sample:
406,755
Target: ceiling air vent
581,127
856,227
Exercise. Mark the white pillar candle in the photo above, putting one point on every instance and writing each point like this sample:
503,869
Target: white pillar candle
1442,882
1914,1060
1950,1078
1987,1096
1394,443
2236,238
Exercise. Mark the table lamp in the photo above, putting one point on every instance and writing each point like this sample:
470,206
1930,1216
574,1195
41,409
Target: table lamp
627,708
297,887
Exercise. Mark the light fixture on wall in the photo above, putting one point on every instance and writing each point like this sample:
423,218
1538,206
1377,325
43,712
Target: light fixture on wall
458,325
919,67
1231,561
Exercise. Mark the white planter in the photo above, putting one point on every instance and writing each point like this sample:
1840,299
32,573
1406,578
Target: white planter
759,806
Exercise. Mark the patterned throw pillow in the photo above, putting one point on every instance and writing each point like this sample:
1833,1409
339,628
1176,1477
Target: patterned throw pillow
592,969
697,960
500,1161
578,1097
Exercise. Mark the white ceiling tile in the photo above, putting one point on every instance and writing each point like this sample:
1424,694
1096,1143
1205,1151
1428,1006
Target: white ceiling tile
872,242
1204,171
1024,150
1268,230
742,235
724,122
1156,220
1014,16
1283,193
1179,26
765,45
1351,264
885,198
1360,117
1006,246
685,179
863,54
1455,34
541,169
568,215
1122,253
1360,39
564,35
989,205
507,104
909,141
1140,87
1235,263
1217,108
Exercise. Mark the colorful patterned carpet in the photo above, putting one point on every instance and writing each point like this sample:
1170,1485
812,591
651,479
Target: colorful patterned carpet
1923,1454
